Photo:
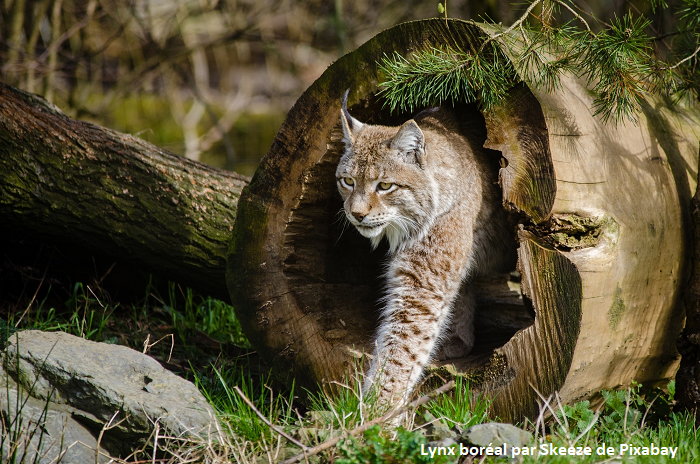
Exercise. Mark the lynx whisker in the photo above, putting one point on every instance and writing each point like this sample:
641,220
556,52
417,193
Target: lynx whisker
345,223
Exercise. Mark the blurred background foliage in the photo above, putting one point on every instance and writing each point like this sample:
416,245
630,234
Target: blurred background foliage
210,79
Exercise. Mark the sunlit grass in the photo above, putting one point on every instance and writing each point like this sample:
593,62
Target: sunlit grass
462,406
217,385
627,416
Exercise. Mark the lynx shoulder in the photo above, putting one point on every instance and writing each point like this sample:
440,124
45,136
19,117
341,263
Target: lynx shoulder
429,189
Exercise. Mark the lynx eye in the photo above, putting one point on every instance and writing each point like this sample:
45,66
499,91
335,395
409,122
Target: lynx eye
384,186
349,181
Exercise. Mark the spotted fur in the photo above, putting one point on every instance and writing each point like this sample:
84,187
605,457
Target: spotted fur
426,187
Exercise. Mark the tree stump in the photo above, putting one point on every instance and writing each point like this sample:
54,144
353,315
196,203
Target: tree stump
603,218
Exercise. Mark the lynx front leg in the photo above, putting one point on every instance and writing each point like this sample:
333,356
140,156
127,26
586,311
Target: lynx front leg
406,339
421,290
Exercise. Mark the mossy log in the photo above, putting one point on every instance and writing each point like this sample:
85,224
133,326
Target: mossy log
603,238
97,191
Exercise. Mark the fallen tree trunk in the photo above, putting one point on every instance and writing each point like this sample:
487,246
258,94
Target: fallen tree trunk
74,183
603,244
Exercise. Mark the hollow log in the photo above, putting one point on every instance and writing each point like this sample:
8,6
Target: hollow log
96,191
594,301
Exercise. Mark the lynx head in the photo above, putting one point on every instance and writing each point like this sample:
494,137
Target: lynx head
383,177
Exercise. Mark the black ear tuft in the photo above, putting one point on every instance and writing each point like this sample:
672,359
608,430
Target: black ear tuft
345,109
350,125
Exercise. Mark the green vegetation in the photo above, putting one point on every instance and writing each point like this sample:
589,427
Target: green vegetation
344,404
13,448
147,116
634,416
461,407
89,313
210,349
190,313
218,387
624,60
84,315
378,447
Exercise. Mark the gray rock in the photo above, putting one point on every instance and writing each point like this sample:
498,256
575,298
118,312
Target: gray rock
436,430
52,433
496,434
101,382
445,442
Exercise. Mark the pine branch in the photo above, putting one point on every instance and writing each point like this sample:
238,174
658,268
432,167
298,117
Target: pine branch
438,75
684,60
618,62
617,65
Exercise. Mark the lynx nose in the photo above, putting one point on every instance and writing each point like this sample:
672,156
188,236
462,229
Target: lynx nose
358,216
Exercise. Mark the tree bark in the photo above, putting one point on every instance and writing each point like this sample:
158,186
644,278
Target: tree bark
602,238
73,183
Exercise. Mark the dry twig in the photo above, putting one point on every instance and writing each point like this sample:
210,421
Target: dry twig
109,425
147,345
267,421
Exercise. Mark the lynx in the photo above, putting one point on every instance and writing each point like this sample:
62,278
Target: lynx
430,190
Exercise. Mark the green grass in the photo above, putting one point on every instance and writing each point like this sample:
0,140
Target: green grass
217,384
678,430
376,446
84,315
633,417
460,407
210,349
343,405
190,313
16,431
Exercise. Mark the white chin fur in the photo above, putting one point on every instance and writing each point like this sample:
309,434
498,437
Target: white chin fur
371,232
395,233
396,237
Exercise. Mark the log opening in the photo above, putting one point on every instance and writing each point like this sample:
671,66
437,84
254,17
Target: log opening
306,292
323,249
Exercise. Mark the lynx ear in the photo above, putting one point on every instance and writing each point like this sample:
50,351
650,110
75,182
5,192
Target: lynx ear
410,140
350,125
